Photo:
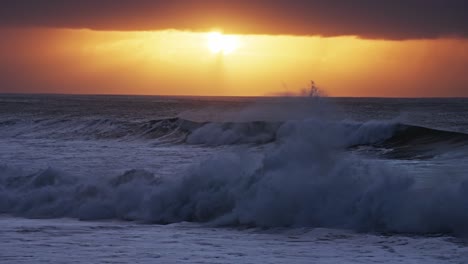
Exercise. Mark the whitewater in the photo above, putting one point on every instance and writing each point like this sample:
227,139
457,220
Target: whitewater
92,179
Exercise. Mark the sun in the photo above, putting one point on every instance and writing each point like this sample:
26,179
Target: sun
220,43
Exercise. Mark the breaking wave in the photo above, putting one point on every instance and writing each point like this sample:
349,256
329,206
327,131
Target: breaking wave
397,139
307,179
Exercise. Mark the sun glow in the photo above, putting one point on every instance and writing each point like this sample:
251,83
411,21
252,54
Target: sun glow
219,43
126,62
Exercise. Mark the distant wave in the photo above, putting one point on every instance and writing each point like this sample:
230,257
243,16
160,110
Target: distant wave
414,142
92,129
400,140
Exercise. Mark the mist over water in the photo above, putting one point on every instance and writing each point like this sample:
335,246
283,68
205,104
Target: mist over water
291,162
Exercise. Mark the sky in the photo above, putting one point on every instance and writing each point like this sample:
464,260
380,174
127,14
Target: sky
411,48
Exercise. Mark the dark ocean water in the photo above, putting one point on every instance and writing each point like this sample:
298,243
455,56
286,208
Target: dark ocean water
369,165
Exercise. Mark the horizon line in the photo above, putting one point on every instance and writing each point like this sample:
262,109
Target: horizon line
231,96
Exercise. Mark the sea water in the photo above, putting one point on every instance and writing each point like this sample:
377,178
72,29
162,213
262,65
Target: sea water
119,179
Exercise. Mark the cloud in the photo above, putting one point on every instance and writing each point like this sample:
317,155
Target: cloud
397,19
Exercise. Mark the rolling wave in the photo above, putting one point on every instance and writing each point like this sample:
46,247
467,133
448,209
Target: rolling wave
400,140
92,129
415,142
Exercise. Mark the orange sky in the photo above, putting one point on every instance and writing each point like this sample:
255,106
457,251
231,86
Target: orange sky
171,62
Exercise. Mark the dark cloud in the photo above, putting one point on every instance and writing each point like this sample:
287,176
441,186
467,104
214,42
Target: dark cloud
395,19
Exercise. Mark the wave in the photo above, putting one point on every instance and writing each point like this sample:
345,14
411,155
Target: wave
306,180
92,129
174,130
396,140
415,142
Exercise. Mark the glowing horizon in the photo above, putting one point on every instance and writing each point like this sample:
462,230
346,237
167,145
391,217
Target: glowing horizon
172,62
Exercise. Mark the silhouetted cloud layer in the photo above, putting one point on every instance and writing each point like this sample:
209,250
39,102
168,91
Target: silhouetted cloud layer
396,19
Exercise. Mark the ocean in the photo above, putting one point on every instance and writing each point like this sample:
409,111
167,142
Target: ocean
151,179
